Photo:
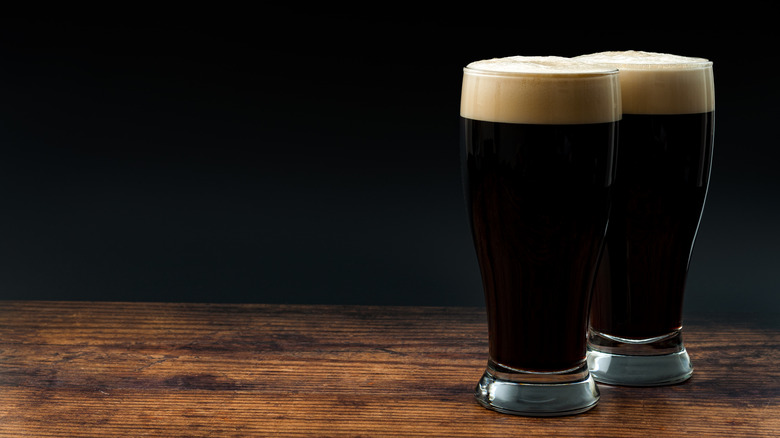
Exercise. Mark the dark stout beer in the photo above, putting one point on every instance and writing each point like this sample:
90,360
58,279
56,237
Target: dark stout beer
539,155
538,200
658,196
539,138
664,159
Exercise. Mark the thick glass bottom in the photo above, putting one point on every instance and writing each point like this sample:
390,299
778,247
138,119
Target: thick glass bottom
537,394
656,361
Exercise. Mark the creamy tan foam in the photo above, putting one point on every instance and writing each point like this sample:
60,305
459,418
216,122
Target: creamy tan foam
660,83
540,90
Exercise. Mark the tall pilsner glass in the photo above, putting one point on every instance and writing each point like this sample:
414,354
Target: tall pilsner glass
663,171
538,149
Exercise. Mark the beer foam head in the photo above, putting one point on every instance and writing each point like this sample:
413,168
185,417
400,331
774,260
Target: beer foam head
660,83
540,90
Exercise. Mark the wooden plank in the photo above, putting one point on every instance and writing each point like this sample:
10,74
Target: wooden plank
168,369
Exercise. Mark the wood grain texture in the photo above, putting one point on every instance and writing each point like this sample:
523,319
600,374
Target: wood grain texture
91,369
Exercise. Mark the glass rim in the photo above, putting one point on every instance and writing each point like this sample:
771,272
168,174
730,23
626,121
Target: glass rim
599,70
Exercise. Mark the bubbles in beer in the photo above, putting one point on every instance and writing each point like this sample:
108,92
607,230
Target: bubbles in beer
647,60
540,90
536,64
660,83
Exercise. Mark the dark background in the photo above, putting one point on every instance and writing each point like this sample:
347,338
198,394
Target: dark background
228,160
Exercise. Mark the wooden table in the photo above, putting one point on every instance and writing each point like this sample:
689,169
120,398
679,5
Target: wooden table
104,369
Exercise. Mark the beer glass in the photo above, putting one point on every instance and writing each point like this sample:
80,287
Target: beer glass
663,171
538,140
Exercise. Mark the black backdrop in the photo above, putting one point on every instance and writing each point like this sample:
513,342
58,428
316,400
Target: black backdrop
229,161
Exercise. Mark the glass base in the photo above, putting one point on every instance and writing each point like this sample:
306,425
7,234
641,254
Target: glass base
536,394
656,361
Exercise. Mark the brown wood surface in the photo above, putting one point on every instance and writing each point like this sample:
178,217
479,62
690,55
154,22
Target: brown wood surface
77,369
